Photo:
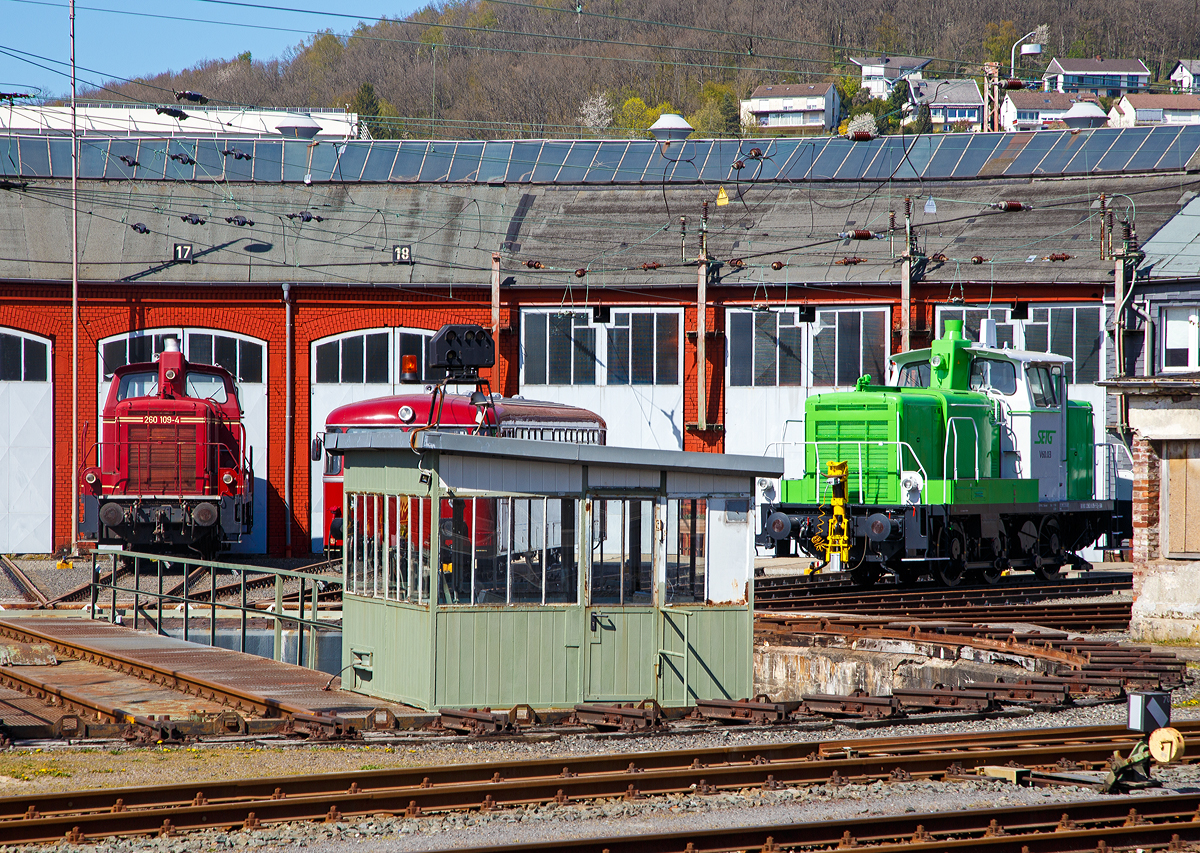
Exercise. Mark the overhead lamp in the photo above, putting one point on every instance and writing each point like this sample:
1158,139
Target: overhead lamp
670,127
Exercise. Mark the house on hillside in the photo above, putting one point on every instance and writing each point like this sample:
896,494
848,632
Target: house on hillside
1185,75
1104,78
880,73
1139,110
1028,109
950,102
793,106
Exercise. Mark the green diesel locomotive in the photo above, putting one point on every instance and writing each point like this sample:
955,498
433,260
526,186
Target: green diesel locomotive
972,463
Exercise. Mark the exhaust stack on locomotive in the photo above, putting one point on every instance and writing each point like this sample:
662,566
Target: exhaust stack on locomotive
170,471
973,462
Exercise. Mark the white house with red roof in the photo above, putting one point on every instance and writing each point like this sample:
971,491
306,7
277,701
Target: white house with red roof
796,106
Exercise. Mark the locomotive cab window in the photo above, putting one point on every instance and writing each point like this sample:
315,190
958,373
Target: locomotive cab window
141,384
991,374
915,374
206,386
1043,385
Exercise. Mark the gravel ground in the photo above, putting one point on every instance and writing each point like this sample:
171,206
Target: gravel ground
671,813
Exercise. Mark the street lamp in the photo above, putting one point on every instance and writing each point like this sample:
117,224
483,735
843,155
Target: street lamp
1032,49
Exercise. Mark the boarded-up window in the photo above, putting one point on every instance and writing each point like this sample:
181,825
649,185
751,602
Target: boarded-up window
1182,461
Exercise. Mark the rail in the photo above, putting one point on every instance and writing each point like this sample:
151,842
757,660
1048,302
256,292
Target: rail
781,448
249,803
309,596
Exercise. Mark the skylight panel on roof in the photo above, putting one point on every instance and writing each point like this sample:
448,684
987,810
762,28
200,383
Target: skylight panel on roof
1124,147
34,155
465,165
409,160
439,156
380,158
522,160
550,163
979,151
1090,150
351,158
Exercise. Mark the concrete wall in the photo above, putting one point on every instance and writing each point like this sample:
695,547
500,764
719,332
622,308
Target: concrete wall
832,666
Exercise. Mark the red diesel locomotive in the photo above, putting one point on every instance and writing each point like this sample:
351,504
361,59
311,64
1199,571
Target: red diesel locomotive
506,417
170,471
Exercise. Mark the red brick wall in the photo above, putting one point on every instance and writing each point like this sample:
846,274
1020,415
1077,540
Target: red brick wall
1147,489
45,309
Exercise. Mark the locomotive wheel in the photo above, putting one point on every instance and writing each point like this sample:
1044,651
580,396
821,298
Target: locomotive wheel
865,575
993,574
1049,549
950,572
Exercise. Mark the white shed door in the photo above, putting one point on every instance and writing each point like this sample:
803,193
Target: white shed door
26,445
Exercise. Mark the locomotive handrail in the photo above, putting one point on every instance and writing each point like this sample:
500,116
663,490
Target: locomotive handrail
900,446
952,427
1107,462
134,462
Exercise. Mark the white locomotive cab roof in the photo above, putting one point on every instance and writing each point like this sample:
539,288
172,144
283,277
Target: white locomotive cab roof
1023,356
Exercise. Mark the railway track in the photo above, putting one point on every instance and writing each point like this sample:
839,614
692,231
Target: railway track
1016,603
23,582
226,695
248,803
1142,823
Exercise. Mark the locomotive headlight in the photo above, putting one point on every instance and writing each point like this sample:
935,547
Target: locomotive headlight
227,478
936,361
90,478
406,414
171,374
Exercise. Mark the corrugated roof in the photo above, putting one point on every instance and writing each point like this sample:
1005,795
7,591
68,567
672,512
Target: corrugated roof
790,90
1174,251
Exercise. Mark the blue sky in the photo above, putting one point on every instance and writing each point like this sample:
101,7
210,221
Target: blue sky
133,45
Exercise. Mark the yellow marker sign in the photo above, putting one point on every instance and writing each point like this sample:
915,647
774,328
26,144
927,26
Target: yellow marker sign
722,197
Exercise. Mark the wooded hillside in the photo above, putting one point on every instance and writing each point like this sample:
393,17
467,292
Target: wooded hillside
493,68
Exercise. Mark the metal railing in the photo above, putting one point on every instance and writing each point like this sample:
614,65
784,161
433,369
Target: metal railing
838,456
1107,468
109,459
952,428
310,587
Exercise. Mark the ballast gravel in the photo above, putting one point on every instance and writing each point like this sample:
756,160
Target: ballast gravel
614,818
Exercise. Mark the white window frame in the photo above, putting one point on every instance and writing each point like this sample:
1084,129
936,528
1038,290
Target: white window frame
181,333
1004,312
1193,343
601,346
808,333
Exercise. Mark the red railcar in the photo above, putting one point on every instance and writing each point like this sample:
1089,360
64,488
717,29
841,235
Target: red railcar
506,417
170,471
